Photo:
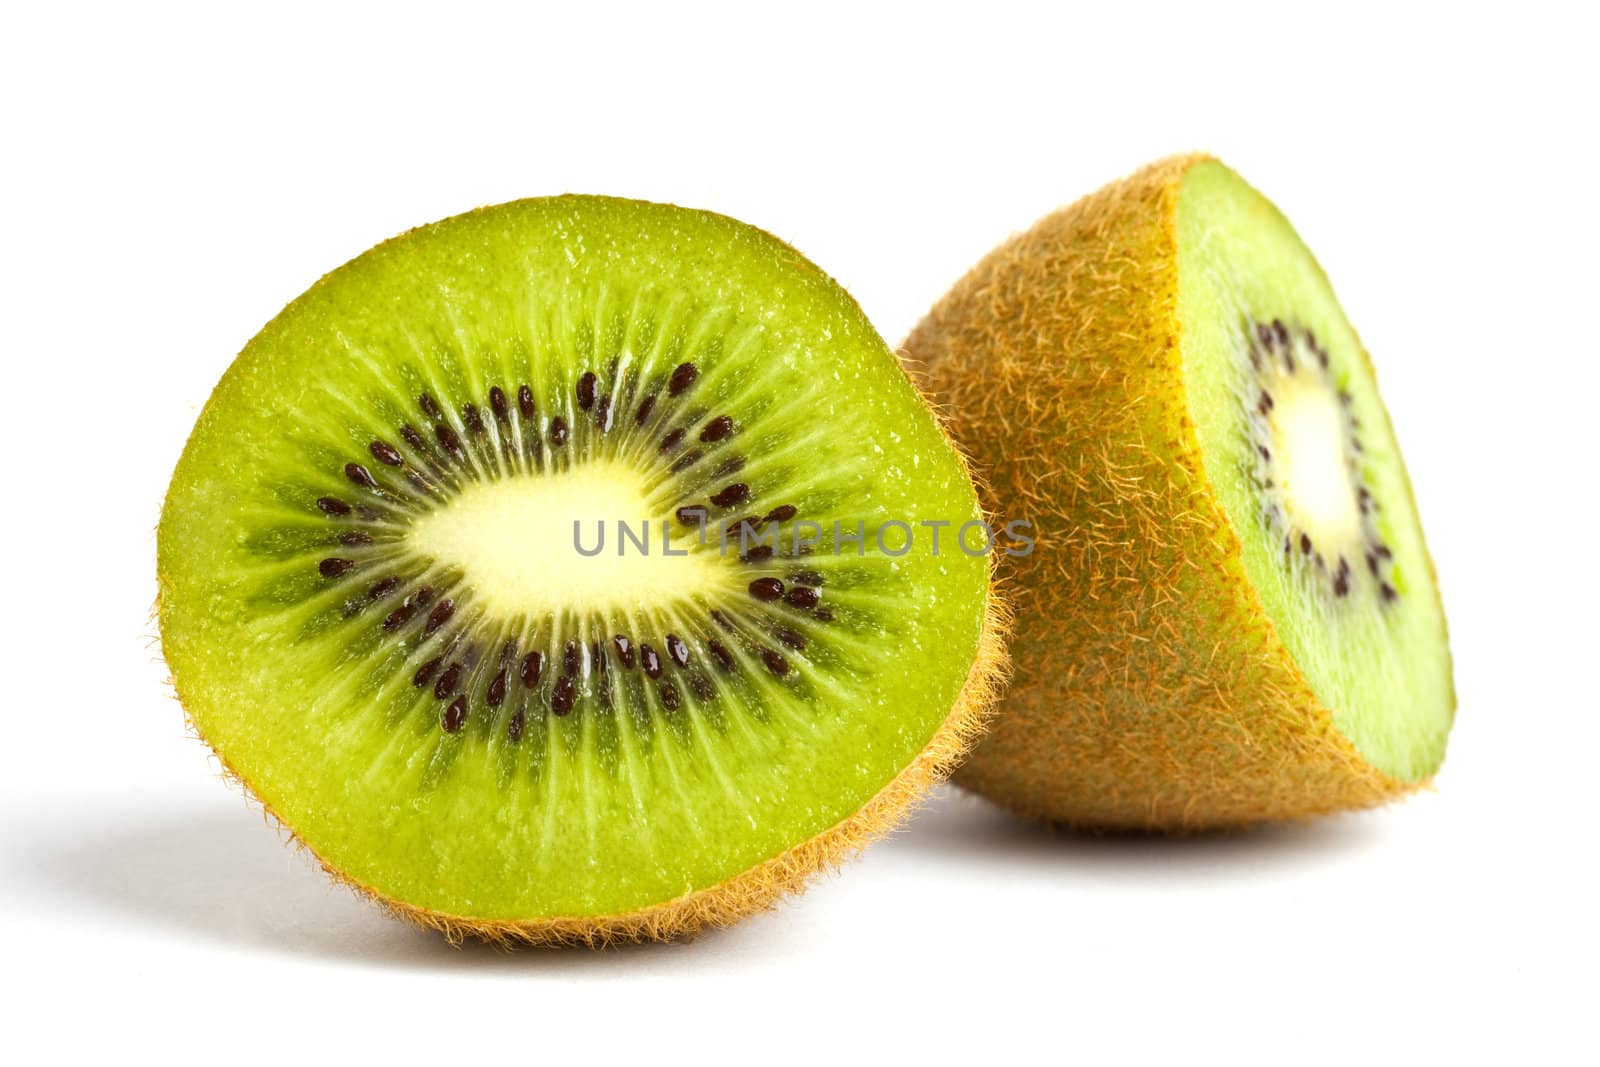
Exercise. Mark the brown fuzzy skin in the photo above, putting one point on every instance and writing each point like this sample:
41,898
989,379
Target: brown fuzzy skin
1151,691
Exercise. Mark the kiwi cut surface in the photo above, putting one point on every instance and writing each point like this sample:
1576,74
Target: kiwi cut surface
1230,614
487,568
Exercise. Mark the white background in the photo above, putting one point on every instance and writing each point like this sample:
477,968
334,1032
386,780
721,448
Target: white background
172,178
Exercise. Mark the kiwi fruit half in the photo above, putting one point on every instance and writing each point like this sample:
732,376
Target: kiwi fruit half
552,573
1229,614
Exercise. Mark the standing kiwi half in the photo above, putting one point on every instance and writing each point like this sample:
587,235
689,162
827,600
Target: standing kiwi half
502,568
1230,614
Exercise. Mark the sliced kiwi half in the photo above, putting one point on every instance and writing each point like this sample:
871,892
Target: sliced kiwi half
555,572
1230,614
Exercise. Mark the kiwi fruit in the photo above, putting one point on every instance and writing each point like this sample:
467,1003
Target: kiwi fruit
550,573
1230,614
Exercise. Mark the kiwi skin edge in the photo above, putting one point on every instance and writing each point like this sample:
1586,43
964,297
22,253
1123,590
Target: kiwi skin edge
1151,691
760,887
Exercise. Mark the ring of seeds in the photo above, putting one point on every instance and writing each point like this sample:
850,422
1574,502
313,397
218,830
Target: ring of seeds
410,474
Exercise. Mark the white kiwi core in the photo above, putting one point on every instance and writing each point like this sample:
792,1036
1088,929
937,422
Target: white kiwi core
588,536
1307,429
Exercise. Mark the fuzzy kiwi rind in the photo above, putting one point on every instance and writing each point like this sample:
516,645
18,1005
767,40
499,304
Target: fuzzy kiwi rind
1150,691
704,237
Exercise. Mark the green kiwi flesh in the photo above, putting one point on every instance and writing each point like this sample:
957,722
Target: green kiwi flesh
374,611
1299,448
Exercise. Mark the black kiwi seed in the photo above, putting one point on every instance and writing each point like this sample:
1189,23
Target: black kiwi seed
455,716
758,554
355,537
385,453
766,588
496,694
1264,334
498,403
333,567
731,465
450,441
571,658
430,406
677,651
669,696
732,495
649,659
720,653
360,475
383,588
782,513
717,429
413,438
426,672
525,401
646,406
563,695
400,615
672,440
1280,331
789,637
808,578
440,615
586,390
775,662
691,514
824,615
803,597
514,728
332,505
1383,552
682,377
471,419
1372,564
446,685
1305,545
532,668
685,461
1341,578
721,620
602,414
1388,592
624,649
703,689
558,431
